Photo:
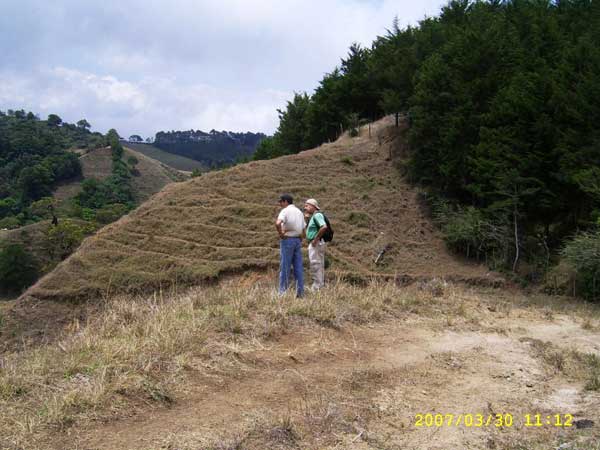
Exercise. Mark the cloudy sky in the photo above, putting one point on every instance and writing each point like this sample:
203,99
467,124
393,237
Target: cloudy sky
142,66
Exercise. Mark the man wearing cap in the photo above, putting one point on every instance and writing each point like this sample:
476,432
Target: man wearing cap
290,227
316,246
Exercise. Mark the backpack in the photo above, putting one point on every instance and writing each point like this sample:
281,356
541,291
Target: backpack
328,235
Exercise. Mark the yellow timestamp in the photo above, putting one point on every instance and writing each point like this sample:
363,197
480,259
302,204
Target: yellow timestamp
505,420
554,420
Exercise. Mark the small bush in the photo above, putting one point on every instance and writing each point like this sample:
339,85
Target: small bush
63,239
18,269
354,122
347,160
10,223
582,253
88,214
593,384
470,232
111,213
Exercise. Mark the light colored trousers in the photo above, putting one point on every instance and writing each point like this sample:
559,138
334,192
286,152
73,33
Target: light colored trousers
316,258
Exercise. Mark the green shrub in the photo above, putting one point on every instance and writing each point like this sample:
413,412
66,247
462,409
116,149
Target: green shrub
63,239
88,214
582,253
110,213
18,269
347,160
10,223
42,208
469,231
462,231
353,120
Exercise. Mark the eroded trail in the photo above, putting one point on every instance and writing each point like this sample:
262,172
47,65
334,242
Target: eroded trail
361,387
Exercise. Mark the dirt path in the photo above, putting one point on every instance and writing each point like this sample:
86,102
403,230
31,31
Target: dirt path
361,388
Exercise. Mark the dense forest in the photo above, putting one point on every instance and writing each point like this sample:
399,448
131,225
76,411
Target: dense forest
214,149
503,102
34,159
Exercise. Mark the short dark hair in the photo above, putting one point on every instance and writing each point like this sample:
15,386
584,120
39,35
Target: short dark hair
286,198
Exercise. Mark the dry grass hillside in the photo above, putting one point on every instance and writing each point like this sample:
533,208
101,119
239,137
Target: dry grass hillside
222,222
153,175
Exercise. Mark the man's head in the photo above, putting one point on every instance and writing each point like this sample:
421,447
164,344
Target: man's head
285,200
311,205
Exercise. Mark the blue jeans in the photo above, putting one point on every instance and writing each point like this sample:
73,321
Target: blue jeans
291,255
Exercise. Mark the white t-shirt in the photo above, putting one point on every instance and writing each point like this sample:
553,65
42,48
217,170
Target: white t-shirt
293,221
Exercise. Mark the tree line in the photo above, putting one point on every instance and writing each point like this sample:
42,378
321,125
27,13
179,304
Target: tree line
503,101
215,149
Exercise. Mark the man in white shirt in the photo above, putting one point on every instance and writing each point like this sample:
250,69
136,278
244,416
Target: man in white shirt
290,227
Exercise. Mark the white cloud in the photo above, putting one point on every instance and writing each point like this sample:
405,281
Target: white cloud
143,107
106,89
148,65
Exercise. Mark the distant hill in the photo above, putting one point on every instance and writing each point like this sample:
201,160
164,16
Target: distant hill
170,159
151,176
212,149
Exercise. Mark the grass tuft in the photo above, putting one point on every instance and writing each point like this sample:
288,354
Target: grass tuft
347,160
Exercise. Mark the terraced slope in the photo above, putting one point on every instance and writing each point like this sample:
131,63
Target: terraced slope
152,175
222,222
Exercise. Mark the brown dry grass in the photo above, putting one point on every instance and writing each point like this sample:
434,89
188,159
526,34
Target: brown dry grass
152,175
222,222
142,354
138,350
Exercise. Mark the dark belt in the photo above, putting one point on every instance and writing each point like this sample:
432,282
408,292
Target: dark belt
291,237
